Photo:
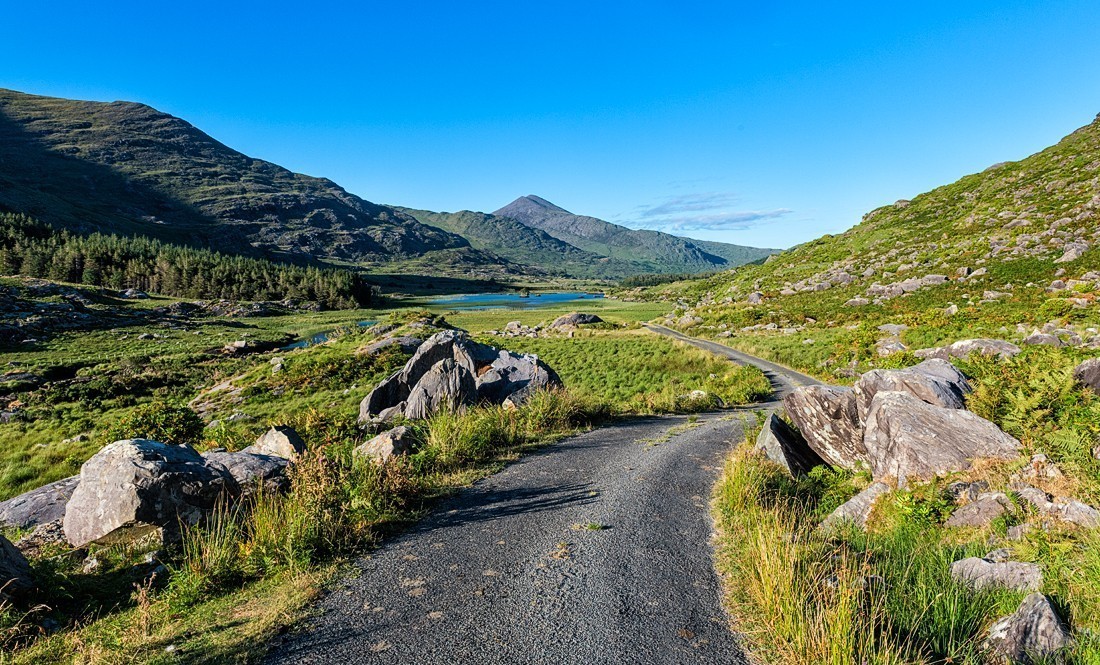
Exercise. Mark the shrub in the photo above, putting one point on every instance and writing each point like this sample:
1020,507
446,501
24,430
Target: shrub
160,421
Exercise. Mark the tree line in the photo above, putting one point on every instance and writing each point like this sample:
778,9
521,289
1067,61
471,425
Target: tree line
29,247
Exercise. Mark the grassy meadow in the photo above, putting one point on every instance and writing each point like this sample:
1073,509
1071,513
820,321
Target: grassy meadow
247,573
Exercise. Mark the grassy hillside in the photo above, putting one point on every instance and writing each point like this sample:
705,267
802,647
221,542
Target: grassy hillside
127,168
995,254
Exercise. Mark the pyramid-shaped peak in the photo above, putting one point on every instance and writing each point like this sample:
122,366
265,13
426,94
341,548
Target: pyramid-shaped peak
530,203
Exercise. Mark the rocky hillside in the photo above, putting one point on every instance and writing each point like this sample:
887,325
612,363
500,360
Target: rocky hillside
999,253
127,168
650,251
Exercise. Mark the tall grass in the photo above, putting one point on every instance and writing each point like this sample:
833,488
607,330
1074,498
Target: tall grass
844,598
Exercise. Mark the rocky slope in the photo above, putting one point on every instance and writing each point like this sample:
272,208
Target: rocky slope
126,168
650,251
999,254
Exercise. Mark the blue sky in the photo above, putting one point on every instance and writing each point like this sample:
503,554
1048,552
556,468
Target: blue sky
757,123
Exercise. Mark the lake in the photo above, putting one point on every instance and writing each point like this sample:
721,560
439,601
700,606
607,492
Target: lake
476,301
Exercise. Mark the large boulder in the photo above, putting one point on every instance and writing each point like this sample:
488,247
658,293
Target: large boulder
397,441
15,572
858,509
908,438
278,441
137,487
575,319
446,385
38,506
981,574
786,447
253,472
443,370
515,377
828,419
934,381
1088,374
1034,633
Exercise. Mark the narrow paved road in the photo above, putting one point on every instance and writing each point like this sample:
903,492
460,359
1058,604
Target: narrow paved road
593,550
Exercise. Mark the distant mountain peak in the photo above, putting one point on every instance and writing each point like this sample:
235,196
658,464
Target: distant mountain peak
531,201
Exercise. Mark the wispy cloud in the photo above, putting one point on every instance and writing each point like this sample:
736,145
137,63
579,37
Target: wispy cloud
711,211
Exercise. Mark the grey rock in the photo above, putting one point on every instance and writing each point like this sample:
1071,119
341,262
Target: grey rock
906,438
1073,251
253,472
515,377
857,509
982,511
137,487
446,385
987,347
1042,339
933,381
981,574
407,344
38,506
1033,633
397,441
1088,374
278,441
575,319
786,447
755,298
16,577
828,419
963,492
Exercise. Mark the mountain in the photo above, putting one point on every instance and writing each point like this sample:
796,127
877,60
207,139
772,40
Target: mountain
650,251
129,169
525,245
994,254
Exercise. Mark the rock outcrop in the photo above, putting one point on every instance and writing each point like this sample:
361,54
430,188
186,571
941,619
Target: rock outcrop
253,472
933,381
38,506
451,369
137,487
575,319
1032,634
980,512
829,421
786,447
909,439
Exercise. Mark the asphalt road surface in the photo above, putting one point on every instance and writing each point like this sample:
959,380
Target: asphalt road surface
593,550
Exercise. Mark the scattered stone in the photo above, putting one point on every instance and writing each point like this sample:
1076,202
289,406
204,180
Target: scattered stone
857,302
857,509
1034,633
785,446
755,298
987,347
982,511
1042,339
278,441
133,294
981,574
1073,251
906,438
38,506
1088,374
136,488
397,441
829,421
445,385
